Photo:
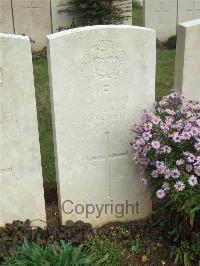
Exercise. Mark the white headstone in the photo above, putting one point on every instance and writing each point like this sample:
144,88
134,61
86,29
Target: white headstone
187,69
21,183
6,20
188,10
60,21
161,15
101,78
32,18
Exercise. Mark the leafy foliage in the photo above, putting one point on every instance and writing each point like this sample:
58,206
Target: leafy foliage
104,252
136,4
14,234
167,151
56,254
171,42
95,12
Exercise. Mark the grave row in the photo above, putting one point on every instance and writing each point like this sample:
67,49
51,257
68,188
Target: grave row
22,17
101,78
163,15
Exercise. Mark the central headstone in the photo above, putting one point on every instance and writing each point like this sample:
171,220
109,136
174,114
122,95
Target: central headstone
101,79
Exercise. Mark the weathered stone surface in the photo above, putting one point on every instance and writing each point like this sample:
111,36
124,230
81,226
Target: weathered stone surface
188,10
6,20
187,69
101,78
21,184
161,15
32,18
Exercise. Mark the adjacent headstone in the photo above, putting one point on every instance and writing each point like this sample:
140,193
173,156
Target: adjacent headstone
188,10
101,77
187,69
32,18
6,20
161,15
60,21
21,183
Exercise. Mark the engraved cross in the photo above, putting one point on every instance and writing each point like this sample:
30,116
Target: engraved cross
107,157
161,12
32,6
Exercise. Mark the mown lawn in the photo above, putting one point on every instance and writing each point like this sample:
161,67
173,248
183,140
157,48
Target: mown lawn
44,119
164,82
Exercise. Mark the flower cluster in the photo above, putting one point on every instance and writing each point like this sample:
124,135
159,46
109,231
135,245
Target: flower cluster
166,146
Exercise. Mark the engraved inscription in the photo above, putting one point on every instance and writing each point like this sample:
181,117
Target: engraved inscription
106,111
104,66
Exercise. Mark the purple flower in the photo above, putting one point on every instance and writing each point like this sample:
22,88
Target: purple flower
197,170
166,186
170,112
185,135
188,126
168,121
176,137
161,168
160,193
140,141
148,126
155,144
175,173
198,160
180,162
197,146
189,168
194,131
179,186
155,120
192,180
191,157
166,149
167,174
164,127
146,135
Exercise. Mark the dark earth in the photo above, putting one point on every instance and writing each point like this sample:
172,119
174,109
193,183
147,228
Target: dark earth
141,241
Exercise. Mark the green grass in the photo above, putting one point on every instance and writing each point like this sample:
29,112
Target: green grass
137,17
44,119
164,72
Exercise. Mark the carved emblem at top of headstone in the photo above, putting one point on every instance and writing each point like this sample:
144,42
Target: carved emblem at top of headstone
104,66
